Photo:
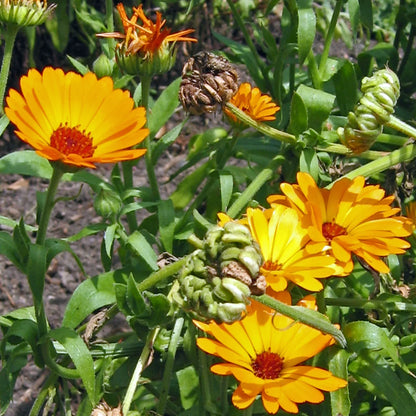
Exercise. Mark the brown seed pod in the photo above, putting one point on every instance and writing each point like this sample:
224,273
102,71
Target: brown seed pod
208,81
238,271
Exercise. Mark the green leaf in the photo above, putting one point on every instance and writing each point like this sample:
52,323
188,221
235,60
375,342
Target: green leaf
354,14
36,270
306,28
365,335
91,295
143,249
165,141
4,122
186,190
80,356
82,69
346,88
379,378
164,107
226,188
109,237
340,399
298,115
166,215
188,381
135,300
9,250
26,162
58,25
318,105
366,13
309,162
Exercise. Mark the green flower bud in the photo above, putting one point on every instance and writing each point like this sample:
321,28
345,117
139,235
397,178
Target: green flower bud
365,124
107,203
25,12
103,66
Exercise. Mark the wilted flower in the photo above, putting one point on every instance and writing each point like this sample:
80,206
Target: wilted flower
147,48
350,218
264,351
208,81
76,119
25,12
256,105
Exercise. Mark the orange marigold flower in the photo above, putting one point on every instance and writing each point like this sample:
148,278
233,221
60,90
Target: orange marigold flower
287,255
76,119
264,352
411,212
350,218
149,40
258,106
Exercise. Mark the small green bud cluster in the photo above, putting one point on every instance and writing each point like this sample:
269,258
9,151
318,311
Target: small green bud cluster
218,279
24,12
365,124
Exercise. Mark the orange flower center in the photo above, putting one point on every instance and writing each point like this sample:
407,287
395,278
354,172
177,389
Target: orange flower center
331,230
270,266
267,365
71,140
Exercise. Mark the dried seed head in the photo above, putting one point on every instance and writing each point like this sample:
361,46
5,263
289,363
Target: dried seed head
103,409
208,81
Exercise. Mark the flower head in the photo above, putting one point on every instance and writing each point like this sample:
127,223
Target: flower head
287,255
25,12
350,218
264,352
146,47
258,106
76,119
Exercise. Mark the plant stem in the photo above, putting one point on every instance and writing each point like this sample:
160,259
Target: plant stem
328,38
142,363
167,374
261,127
9,39
404,154
248,193
57,174
145,81
401,126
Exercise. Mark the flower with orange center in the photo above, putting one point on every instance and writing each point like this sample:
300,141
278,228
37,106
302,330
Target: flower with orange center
150,42
76,119
284,244
264,351
350,218
256,105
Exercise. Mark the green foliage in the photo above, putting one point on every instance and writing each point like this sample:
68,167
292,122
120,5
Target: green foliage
311,59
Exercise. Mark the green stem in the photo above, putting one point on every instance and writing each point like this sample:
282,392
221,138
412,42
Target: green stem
140,366
404,154
162,274
366,304
309,317
145,81
127,168
401,126
251,190
60,370
9,39
261,127
167,374
313,70
328,38
49,203
42,395
343,150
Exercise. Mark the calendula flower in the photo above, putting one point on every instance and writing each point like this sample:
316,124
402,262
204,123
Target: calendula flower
258,106
25,12
350,218
264,351
147,47
76,119
287,255
411,212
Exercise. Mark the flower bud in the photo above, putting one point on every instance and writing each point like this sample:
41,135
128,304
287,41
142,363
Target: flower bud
107,203
103,66
365,124
208,81
25,12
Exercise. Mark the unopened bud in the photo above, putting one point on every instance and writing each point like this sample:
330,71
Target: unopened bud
25,12
107,203
103,66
